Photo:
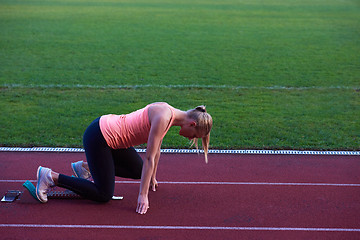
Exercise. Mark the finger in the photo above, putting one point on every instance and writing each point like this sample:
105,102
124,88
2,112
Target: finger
154,186
138,208
143,210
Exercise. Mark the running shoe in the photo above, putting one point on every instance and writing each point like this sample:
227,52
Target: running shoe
79,171
44,183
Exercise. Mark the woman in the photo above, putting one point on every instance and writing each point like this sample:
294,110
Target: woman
109,147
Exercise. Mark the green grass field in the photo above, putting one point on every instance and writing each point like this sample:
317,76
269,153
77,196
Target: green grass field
276,74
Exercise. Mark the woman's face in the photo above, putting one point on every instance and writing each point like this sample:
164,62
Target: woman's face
189,131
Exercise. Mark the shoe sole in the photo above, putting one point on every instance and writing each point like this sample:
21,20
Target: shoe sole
37,185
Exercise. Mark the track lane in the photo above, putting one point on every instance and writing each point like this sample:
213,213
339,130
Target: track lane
209,205
221,167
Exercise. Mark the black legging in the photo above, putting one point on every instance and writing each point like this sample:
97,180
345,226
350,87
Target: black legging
104,163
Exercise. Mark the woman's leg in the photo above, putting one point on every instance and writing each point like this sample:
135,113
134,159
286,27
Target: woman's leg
100,161
128,163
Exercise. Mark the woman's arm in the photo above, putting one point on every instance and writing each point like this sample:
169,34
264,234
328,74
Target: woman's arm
159,123
154,184
143,200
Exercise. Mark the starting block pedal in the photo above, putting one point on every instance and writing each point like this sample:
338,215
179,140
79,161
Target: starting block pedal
67,194
31,188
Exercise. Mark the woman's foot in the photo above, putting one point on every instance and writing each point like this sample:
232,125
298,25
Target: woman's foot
79,171
44,183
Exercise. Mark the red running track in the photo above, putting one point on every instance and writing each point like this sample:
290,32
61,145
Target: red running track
232,197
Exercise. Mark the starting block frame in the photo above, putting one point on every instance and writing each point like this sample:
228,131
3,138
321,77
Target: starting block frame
57,194
12,195
51,194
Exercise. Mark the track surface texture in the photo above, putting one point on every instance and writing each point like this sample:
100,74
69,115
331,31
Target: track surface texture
234,196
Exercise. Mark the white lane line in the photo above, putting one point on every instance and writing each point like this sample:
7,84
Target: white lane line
183,151
223,183
264,183
181,227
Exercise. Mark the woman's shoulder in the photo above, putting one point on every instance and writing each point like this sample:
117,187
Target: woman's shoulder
160,110
159,104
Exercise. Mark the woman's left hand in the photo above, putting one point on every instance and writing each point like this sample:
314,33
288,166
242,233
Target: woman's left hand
153,185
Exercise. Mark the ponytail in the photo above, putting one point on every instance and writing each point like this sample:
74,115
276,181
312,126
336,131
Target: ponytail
203,125
205,143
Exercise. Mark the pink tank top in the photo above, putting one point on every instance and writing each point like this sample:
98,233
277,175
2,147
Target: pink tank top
124,131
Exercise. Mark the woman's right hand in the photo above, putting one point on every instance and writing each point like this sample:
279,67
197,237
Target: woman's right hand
143,204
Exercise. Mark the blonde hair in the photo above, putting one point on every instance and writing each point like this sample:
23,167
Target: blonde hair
203,125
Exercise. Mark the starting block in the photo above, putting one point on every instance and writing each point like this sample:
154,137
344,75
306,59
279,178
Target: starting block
67,194
51,194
